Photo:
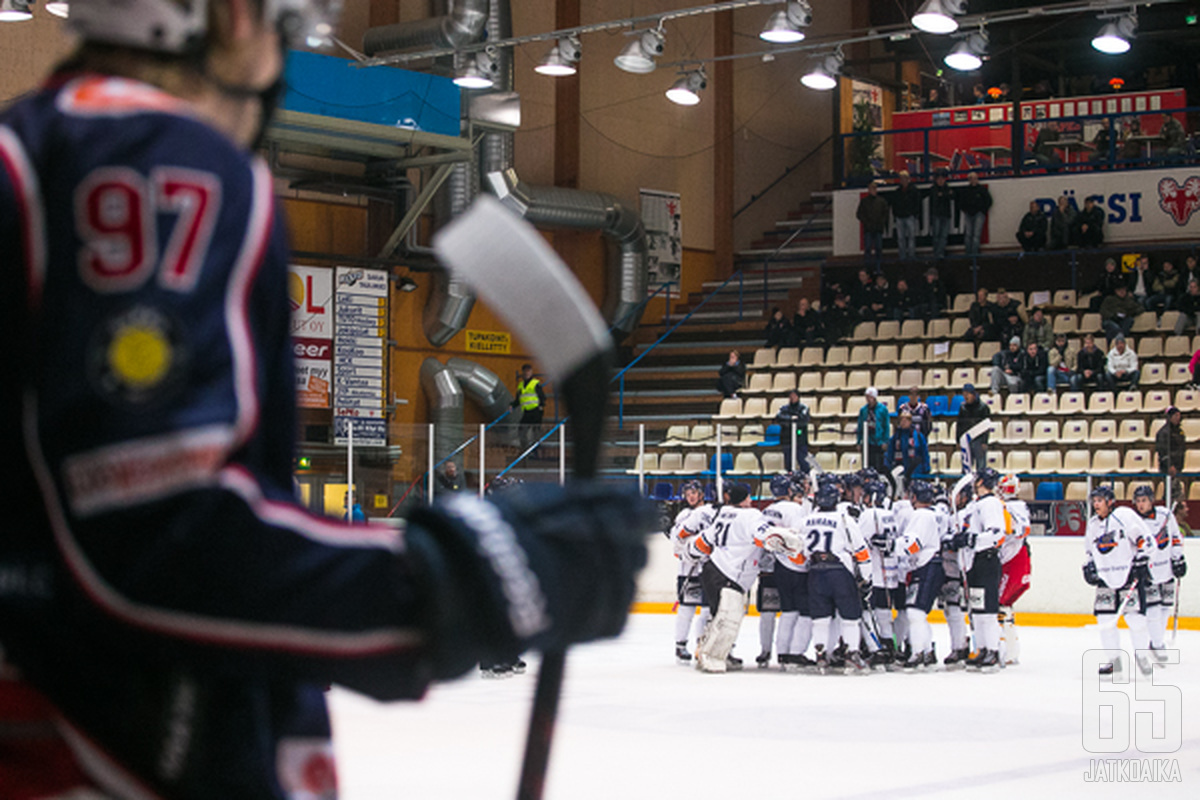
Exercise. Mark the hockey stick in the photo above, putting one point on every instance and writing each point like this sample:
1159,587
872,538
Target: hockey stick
959,485
509,263
964,443
1175,614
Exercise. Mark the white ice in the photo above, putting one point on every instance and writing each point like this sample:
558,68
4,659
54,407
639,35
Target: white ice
635,725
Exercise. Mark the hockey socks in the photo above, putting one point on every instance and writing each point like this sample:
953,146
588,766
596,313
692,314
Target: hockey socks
684,616
956,621
784,631
801,636
766,630
883,622
920,634
850,635
987,632
1156,623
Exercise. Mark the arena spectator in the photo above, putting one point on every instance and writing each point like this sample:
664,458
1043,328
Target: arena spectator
1118,312
839,321
806,324
979,315
974,200
932,295
860,294
1122,365
1110,279
971,413
1102,144
905,200
778,332
879,305
1062,224
934,99
1194,368
1165,289
1034,363
904,303
1090,224
1090,372
1060,359
1174,137
1188,307
873,214
1038,330
908,448
919,411
941,207
1043,154
1006,367
448,479
1141,280
732,375
1131,146
873,424
1031,233
979,96
794,417
1191,270
1008,318
1170,443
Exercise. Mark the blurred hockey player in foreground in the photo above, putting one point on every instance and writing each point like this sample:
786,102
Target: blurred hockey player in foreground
171,616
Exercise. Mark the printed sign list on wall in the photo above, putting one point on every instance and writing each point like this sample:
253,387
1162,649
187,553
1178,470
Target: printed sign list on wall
359,345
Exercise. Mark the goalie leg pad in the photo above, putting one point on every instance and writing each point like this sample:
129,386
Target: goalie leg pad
722,632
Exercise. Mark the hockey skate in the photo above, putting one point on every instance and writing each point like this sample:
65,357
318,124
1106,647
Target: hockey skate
918,661
682,655
798,663
1116,669
495,671
957,659
733,663
763,660
1144,664
1159,654
855,664
883,658
984,660
822,663
518,667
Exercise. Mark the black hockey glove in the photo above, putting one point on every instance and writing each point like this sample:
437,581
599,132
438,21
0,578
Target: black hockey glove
963,540
1090,574
881,542
539,566
1140,568
1178,567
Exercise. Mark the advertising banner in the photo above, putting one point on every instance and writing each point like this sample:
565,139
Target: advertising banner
310,295
359,349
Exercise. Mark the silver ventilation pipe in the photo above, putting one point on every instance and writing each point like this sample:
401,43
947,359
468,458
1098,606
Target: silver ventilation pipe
483,386
461,25
496,152
445,396
557,207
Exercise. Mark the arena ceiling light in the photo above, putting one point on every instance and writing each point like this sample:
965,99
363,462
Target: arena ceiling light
562,58
638,56
937,16
968,54
1114,36
686,90
784,26
823,76
479,72
59,9
14,11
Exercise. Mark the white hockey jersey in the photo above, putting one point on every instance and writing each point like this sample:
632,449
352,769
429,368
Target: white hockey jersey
789,514
990,522
885,569
1018,510
688,523
919,540
1112,542
946,526
834,533
1163,543
734,543
901,511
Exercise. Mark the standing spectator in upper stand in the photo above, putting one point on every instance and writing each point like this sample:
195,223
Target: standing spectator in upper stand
1102,144
979,95
941,207
860,294
1165,289
806,324
979,315
873,214
778,332
794,416
838,322
1110,279
1008,318
1090,223
1174,137
1043,153
1034,363
1062,225
1122,365
904,303
879,300
1141,280
732,375
1188,307
1031,233
875,424
974,200
931,294
906,210
1006,367
1117,313
530,398
907,448
1090,367
971,413
1131,147
1061,361
1038,330
934,99
1170,444
917,409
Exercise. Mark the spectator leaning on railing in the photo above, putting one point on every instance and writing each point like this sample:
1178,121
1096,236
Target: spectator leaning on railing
974,200
905,200
941,206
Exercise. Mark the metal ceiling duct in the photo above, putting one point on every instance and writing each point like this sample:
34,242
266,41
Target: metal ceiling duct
461,25
483,386
445,396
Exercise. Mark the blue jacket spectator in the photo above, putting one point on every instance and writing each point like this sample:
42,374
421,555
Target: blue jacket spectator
874,423
908,448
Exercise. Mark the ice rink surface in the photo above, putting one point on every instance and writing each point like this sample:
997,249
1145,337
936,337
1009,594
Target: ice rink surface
633,724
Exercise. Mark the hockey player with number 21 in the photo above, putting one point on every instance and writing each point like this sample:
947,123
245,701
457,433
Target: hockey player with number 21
1115,542
179,615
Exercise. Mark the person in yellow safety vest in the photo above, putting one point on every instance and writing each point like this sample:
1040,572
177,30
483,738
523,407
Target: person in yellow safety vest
531,399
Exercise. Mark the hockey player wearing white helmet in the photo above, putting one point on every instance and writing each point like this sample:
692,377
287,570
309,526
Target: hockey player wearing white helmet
1014,566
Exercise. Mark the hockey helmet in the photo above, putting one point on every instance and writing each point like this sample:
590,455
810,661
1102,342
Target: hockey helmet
851,481
1009,485
1143,491
736,492
989,477
827,497
921,492
800,481
868,474
781,485
692,485
877,492
1104,492
181,26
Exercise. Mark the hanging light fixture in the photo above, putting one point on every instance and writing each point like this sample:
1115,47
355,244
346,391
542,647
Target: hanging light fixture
686,90
638,56
968,54
562,58
14,11
1115,34
783,27
479,72
823,76
58,8
937,16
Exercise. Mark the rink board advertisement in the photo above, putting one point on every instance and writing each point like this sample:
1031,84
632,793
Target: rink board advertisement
359,347
664,232
1140,205
310,296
